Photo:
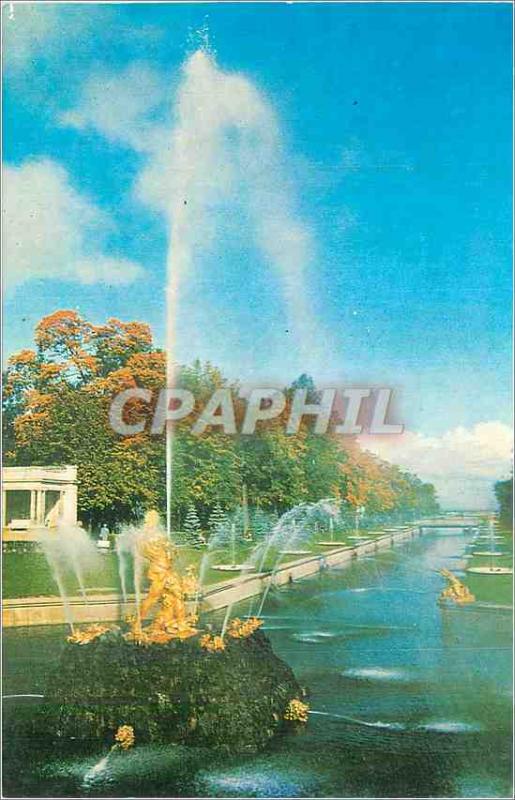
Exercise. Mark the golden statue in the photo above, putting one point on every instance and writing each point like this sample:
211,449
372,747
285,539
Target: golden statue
297,711
124,738
169,590
455,590
87,635
213,644
241,629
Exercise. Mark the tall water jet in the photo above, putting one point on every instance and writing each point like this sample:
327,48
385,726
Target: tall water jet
227,157
493,568
332,541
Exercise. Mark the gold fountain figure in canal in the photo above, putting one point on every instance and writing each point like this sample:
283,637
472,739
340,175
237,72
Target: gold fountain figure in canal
455,590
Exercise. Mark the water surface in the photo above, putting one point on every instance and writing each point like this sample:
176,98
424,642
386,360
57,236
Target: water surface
408,699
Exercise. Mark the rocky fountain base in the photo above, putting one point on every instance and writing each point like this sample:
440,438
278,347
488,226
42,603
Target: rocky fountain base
235,698
164,681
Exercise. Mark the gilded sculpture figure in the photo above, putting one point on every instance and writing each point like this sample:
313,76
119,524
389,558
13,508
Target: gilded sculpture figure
169,591
455,590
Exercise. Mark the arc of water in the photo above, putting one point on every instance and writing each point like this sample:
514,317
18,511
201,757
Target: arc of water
94,771
392,725
272,539
122,572
226,619
204,563
233,563
233,544
68,547
59,579
270,583
138,578
298,518
77,568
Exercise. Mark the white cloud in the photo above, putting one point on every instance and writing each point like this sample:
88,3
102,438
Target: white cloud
38,35
122,107
26,30
35,30
116,271
463,463
213,152
52,231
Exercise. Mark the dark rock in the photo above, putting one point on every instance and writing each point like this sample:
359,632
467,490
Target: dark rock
177,692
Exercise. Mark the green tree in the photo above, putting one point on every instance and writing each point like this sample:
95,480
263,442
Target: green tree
192,528
262,523
217,518
116,477
504,495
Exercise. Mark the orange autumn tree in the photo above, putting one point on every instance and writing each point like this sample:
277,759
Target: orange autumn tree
84,352
384,490
367,480
56,400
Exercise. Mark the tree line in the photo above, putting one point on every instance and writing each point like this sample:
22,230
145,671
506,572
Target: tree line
504,495
56,403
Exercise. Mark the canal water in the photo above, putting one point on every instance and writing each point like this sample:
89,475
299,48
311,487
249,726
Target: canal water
408,699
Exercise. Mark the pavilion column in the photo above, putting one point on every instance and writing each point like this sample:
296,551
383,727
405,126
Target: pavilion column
69,504
40,507
33,505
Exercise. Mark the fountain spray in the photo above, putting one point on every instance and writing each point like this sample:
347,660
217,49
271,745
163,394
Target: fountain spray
226,152
69,551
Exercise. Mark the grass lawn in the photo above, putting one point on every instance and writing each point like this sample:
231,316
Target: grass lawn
28,574
492,588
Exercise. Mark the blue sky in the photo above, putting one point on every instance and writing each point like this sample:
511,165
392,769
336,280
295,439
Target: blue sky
394,141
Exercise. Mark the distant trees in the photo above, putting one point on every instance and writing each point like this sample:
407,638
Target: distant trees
192,528
56,403
262,524
217,518
504,495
